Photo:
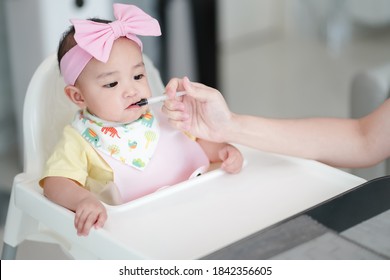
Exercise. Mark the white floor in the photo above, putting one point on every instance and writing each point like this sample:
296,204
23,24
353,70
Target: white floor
283,77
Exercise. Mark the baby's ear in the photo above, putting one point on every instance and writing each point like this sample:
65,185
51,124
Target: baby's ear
75,95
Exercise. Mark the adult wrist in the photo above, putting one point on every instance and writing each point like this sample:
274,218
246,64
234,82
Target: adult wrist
232,130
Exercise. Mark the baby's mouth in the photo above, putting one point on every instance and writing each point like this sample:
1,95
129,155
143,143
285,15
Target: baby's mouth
142,102
138,104
132,106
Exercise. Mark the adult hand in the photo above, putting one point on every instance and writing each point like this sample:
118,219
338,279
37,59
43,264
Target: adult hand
202,112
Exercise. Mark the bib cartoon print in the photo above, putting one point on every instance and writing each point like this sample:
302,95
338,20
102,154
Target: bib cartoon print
131,143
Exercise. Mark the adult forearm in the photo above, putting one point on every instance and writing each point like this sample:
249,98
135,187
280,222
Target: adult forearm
333,141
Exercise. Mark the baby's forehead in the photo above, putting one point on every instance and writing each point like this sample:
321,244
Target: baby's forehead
126,47
127,42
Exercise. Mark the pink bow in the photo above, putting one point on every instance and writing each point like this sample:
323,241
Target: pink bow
97,38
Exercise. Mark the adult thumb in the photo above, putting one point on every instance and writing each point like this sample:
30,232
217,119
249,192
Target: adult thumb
195,91
188,87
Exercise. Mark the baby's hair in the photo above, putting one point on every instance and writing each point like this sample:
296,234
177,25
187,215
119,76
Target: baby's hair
67,41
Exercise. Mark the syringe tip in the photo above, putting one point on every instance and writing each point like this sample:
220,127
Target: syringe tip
142,102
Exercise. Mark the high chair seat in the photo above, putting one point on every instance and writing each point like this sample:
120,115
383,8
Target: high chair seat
186,221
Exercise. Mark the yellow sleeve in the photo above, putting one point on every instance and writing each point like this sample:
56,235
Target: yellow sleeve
74,158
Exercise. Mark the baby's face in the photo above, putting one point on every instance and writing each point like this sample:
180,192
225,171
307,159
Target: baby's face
110,89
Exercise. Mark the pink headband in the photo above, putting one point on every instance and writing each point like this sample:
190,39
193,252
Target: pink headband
95,39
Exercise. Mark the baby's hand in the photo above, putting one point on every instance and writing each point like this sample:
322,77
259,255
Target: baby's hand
89,212
232,159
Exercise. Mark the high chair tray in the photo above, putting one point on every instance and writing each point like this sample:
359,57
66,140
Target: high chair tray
198,217
352,225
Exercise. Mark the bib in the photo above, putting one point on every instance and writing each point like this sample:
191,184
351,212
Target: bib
131,143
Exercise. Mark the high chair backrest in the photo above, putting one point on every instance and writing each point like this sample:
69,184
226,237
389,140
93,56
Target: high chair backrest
47,110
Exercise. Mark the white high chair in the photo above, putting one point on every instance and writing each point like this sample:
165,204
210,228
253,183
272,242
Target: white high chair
186,221
46,111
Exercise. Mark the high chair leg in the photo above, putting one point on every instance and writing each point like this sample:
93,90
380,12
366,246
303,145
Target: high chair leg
18,226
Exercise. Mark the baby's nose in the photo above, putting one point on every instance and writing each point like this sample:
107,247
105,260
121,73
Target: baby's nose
130,92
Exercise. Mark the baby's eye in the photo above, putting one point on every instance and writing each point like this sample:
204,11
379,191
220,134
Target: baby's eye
139,77
110,85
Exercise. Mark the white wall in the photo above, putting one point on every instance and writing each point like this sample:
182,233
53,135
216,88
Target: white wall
240,19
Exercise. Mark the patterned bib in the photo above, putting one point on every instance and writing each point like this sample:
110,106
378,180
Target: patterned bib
131,143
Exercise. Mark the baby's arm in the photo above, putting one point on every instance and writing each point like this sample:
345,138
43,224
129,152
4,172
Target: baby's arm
230,156
89,211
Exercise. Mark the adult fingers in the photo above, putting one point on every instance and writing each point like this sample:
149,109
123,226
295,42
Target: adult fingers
174,85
